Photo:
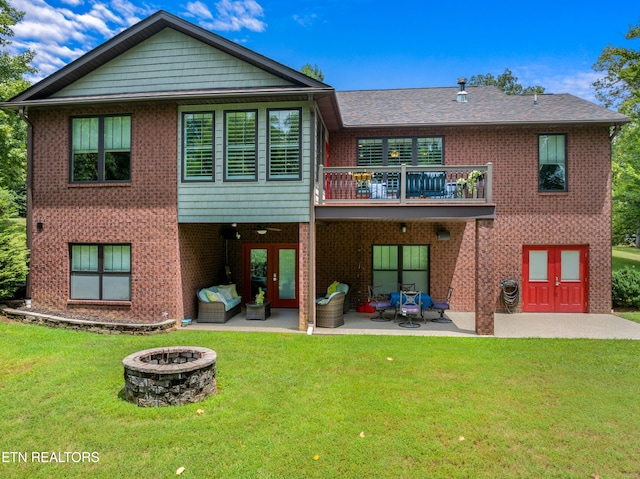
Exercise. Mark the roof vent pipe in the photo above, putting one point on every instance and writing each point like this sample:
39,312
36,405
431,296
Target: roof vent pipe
462,94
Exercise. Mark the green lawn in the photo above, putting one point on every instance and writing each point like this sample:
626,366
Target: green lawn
625,256
298,406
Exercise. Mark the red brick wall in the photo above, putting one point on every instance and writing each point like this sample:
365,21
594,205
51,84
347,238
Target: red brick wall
142,213
201,262
523,216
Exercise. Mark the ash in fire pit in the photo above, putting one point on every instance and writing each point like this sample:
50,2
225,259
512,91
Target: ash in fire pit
169,376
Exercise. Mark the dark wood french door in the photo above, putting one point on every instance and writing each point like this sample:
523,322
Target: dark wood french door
555,279
274,268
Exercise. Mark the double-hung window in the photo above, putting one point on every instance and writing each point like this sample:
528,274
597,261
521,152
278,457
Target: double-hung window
552,162
241,131
101,149
417,151
284,144
101,272
394,264
197,146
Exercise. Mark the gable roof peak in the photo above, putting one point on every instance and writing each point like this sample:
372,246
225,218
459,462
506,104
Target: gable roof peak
144,30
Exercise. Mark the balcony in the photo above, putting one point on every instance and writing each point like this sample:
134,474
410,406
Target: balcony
421,184
442,192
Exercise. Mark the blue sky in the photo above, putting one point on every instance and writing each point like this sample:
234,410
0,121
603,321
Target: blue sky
364,44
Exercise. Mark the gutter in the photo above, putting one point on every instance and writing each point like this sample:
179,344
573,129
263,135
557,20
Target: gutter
25,118
179,96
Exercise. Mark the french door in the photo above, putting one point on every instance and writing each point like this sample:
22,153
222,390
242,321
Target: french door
274,268
555,279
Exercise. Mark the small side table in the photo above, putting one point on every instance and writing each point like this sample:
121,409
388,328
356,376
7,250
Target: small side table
259,311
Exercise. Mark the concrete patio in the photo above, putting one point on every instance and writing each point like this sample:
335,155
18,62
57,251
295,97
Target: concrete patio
521,325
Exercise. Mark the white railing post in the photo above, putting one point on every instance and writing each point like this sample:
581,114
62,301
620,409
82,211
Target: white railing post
489,185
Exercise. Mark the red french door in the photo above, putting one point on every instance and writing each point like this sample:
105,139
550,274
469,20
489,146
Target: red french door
555,279
274,268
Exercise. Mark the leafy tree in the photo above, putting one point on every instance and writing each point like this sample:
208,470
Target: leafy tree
620,88
12,129
312,71
505,82
13,250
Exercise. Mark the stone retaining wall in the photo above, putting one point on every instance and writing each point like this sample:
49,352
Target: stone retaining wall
102,327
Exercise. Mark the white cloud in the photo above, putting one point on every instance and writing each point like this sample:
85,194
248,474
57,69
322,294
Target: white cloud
60,35
305,20
574,81
232,15
198,10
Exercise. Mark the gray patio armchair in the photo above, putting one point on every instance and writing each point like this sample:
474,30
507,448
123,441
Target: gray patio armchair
329,311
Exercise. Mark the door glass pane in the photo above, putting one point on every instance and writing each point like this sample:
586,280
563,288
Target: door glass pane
385,257
570,265
258,265
420,278
287,269
387,279
538,266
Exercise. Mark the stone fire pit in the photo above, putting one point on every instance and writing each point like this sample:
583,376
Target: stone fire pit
169,376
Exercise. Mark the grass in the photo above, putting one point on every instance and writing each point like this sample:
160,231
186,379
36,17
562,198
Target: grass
294,406
626,256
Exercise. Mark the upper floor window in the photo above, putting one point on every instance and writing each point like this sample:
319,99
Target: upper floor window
552,158
101,272
418,151
197,146
284,144
101,149
240,145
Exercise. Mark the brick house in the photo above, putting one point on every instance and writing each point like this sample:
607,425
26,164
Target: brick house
169,159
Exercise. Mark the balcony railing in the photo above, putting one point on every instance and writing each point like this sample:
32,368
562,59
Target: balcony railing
404,184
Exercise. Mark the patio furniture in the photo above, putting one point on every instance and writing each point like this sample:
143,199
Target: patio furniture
259,311
334,287
426,184
406,286
217,304
441,306
380,301
410,306
329,311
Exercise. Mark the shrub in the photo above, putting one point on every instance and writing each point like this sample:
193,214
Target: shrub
625,287
13,250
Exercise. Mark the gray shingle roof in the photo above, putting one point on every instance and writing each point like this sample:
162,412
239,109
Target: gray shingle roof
485,105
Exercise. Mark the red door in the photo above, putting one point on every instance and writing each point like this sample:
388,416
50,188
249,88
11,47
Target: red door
555,279
274,269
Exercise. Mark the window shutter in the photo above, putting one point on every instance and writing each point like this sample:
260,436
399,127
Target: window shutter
241,145
198,146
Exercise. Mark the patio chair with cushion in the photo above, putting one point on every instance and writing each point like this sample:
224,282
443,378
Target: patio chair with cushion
410,306
329,312
334,287
441,306
380,301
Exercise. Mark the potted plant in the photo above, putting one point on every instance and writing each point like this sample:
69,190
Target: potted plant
260,296
468,187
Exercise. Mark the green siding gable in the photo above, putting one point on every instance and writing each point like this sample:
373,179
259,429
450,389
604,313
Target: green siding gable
171,61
